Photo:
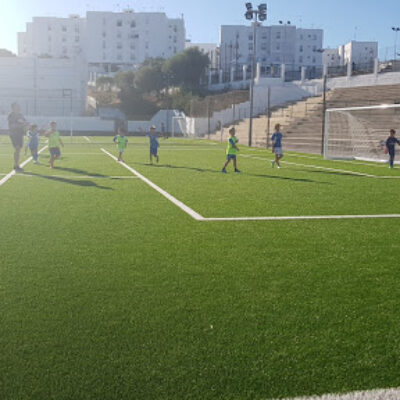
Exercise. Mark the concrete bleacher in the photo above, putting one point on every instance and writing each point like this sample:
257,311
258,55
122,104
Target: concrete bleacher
302,121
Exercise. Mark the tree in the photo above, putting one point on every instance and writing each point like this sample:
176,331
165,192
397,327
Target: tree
150,78
187,68
104,83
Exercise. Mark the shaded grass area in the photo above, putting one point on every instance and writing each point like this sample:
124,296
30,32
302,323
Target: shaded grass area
117,294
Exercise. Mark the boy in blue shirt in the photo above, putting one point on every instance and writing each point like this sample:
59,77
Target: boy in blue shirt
277,145
33,142
391,146
154,144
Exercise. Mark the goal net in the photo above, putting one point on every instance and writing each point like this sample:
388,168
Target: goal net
360,133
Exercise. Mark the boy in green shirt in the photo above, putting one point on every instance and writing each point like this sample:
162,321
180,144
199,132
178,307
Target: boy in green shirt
231,151
122,142
54,143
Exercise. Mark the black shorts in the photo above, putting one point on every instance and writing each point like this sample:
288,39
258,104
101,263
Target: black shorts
17,140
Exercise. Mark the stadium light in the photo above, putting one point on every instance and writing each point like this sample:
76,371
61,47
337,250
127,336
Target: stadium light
259,14
396,30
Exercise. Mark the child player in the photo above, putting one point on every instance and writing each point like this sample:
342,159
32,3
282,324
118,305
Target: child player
231,150
391,146
33,142
54,143
122,142
154,145
277,145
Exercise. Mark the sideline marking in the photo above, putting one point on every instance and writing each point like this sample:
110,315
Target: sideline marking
384,394
12,173
171,198
86,138
323,168
304,217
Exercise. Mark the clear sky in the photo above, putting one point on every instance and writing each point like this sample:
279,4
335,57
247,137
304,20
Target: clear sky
342,20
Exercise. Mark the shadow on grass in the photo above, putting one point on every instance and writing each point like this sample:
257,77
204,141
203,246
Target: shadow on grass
352,174
80,171
303,180
82,183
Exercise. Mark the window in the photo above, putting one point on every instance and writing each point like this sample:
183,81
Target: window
64,39
49,28
64,28
133,57
301,59
315,37
76,39
133,47
250,46
119,35
119,23
278,46
104,34
119,45
314,60
251,38
146,45
133,24
119,56
264,36
104,45
278,35
314,48
301,49
49,38
301,37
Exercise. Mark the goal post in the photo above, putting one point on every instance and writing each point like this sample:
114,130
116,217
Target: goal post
360,133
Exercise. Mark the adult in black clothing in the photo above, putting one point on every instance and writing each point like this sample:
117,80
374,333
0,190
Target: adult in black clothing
16,126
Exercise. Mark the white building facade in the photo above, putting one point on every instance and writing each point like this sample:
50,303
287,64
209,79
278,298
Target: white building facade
108,40
53,37
276,45
360,54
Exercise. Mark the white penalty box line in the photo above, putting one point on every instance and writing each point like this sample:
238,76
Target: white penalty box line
195,215
13,172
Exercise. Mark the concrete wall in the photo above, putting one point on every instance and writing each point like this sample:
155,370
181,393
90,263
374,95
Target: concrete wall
43,86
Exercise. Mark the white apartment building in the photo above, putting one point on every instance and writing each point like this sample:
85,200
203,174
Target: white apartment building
360,54
43,86
211,49
107,40
53,37
331,58
129,38
277,44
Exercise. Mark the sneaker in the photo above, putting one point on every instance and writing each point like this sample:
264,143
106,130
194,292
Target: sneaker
279,166
223,170
238,171
18,169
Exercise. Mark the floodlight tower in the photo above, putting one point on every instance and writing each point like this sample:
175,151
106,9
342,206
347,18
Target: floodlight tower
254,15
396,30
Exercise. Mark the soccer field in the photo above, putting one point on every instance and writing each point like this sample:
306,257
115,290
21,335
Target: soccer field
175,281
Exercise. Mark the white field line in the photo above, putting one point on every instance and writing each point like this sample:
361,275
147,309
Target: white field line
324,168
171,198
12,173
87,139
304,218
388,394
198,217
354,162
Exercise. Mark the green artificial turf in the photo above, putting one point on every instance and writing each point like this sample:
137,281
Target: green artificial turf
109,291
